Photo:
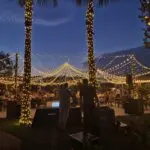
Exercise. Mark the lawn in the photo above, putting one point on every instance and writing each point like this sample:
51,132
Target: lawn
140,123
38,139
52,139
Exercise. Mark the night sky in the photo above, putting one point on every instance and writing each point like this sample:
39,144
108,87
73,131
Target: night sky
60,33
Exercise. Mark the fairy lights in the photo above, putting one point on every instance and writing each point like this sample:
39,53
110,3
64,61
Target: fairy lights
25,118
91,60
127,61
16,75
140,69
145,17
110,77
64,72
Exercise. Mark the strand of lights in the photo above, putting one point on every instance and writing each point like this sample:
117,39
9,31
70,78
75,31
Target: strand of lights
91,59
113,59
142,74
60,83
59,74
16,76
110,63
110,75
145,17
38,59
55,72
133,58
111,78
33,68
79,72
142,81
63,67
68,71
38,72
117,67
72,77
56,77
143,66
25,118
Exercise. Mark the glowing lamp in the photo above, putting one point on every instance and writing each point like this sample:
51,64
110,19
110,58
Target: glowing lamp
145,17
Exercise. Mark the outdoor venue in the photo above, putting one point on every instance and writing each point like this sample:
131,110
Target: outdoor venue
75,75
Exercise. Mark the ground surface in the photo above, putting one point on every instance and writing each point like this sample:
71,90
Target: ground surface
9,142
53,139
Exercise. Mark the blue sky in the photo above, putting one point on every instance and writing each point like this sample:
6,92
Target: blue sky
60,33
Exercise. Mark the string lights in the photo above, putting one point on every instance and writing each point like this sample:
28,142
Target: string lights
145,17
140,69
66,72
16,75
127,61
25,118
91,59
110,77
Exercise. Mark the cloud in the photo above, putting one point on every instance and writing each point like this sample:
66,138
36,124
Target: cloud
11,13
57,22
14,18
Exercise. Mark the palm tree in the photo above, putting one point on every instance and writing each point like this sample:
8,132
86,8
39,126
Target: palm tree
145,17
90,33
25,118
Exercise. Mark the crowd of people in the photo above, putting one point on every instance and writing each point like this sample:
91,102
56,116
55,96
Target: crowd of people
88,97
88,100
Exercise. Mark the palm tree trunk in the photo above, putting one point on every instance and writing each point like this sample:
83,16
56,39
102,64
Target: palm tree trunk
89,26
16,76
25,102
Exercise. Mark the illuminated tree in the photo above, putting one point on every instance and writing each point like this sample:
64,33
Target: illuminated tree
90,33
16,75
145,17
25,118
89,26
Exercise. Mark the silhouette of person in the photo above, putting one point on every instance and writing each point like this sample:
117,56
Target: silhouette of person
74,98
64,105
87,96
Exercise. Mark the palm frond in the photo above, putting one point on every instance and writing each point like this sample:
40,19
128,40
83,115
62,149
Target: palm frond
53,3
105,2
21,2
100,3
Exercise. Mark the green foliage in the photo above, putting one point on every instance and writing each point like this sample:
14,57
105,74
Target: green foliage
6,65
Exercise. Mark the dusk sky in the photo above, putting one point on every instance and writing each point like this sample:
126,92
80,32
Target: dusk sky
60,32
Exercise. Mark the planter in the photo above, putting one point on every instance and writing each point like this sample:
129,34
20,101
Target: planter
134,107
13,110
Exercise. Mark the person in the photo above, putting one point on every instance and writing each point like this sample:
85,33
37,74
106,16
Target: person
111,98
64,105
87,96
106,97
74,98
